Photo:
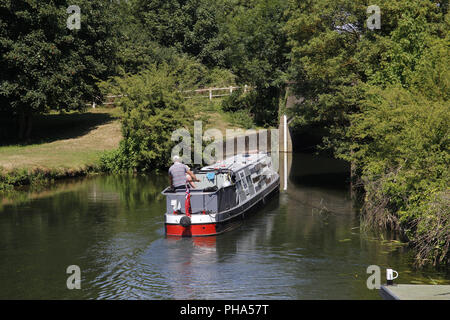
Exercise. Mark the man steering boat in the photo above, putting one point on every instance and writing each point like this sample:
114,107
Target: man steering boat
180,175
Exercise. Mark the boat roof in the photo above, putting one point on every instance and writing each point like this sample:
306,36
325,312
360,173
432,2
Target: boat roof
237,162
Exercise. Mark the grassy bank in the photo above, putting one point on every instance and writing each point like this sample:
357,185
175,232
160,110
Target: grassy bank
71,145
63,145
40,176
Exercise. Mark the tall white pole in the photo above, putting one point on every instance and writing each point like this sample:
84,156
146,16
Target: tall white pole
285,133
285,150
285,171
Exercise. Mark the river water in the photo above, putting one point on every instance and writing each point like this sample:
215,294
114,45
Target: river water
305,243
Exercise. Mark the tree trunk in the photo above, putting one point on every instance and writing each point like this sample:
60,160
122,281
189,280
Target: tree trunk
21,126
29,126
353,177
24,125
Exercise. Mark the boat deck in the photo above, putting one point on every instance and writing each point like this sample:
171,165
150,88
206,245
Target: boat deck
237,162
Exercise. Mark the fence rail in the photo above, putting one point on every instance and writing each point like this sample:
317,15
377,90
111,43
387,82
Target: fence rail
210,95
107,102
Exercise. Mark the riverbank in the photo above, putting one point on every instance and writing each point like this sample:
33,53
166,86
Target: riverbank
64,146
71,145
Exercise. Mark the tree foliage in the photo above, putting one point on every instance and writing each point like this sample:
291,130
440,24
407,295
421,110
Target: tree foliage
382,95
189,26
153,107
44,64
152,110
257,52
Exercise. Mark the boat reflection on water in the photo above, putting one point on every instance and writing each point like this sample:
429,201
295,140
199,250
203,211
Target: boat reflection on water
205,267
203,242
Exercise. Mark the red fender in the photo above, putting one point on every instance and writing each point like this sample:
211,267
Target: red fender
187,204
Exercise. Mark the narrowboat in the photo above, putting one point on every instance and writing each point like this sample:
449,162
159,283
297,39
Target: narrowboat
225,192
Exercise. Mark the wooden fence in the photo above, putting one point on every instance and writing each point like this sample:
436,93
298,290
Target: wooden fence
226,91
109,101
223,92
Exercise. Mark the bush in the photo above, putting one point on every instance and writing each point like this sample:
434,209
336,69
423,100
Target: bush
261,105
152,109
241,118
401,148
432,239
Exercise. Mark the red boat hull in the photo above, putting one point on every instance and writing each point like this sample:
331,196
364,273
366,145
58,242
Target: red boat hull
201,228
192,230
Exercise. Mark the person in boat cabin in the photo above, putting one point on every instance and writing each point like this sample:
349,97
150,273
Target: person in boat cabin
181,175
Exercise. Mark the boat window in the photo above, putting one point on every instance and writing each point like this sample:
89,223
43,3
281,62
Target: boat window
243,180
210,179
249,181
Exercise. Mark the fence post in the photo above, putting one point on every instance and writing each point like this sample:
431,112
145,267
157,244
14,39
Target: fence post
210,93
245,89
231,90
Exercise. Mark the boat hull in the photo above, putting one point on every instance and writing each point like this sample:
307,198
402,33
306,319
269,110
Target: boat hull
209,225
208,229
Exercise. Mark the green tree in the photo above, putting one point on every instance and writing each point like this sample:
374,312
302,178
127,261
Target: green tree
333,52
47,66
152,110
189,26
401,145
382,96
257,52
